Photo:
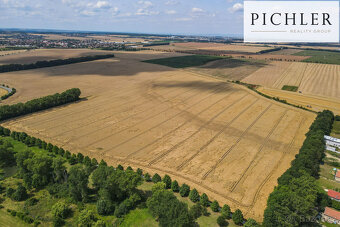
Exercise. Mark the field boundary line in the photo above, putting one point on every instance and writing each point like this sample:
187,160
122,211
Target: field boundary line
259,151
155,160
234,145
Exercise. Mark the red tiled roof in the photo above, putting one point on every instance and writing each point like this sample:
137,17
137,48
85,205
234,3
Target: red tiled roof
332,213
334,194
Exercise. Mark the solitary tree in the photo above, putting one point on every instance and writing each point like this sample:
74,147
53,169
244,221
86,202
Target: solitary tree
156,178
167,181
194,196
184,191
238,217
204,200
175,186
147,177
226,212
215,206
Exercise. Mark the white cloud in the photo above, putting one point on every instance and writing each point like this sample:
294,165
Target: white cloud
145,4
146,12
236,8
170,12
102,5
197,10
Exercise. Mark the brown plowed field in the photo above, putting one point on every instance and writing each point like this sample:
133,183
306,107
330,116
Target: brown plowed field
220,138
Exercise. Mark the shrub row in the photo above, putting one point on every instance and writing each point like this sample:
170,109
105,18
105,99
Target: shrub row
51,63
15,110
271,50
297,198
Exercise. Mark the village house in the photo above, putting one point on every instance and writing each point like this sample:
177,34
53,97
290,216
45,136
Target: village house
337,176
331,216
334,195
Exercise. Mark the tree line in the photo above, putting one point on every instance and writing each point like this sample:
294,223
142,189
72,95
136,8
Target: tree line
114,190
51,63
298,198
8,94
15,110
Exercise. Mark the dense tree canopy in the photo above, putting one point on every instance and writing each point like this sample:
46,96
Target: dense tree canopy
169,210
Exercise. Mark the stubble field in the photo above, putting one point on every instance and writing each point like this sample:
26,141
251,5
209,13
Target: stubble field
211,46
32,56
311,78
218,137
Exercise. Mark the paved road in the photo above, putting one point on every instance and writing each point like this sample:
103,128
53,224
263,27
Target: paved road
6,88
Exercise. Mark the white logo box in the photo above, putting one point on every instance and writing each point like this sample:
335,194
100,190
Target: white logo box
273,21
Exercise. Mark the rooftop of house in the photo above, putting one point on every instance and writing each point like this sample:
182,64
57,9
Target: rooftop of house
333,194
332,213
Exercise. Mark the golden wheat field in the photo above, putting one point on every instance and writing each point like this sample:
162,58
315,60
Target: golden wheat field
218,137
311,78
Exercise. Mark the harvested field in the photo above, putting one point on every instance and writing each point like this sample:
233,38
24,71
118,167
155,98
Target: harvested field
211,46
220,138
229,68
10,52
32,56
3,91
316,103
311,78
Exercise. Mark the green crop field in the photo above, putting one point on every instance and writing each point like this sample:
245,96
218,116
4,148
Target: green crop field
184,61
325,57
290,88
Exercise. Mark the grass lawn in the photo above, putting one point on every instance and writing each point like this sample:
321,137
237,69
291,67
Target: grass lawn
6,220
290,88
184,61
329,184
325,57
336,129
329,224
139,218
327,171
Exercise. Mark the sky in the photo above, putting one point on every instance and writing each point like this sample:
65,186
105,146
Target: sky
195,17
